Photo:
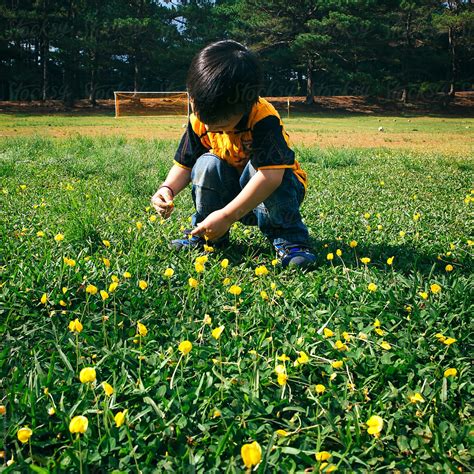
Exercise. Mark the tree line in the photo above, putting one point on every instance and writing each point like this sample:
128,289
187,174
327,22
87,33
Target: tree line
76,49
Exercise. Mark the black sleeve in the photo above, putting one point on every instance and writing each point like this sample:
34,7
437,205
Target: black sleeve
189,149
269,147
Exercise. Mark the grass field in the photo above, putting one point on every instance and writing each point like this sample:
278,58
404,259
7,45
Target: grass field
446,135
304,360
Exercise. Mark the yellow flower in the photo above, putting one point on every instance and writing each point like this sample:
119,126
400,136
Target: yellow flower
282,378
448,341
127,275
416,397
51,411
3,410
208,248
40,233
120,418
216,332
226,281
390,260
402,234
24,434
372,287
87,375
62,303
379,331
376,323
216,414
202,259
449,268
75,326
303,358
22,187
339,252
207,319
365,260
235,290
113,286
199,267
143,284
423,294
106,262
337,364
193,283
327,332
320,388
69,262
264,295
114,278
283,358
450,372
91,289
326,467
353,244
106,243
261,270
44,298
346,336
275,262
139,225
416,216
330,256
78,424
367,215
108,389
152,218
340,346
385,345
104,295
375,425
169,272
282,433
323,456
59,237
435,288
280,368
185,347
142,329
251,454
225,263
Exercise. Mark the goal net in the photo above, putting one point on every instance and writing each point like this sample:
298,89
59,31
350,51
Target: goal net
151,103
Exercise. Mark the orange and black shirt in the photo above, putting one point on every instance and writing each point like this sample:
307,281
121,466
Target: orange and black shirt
259,137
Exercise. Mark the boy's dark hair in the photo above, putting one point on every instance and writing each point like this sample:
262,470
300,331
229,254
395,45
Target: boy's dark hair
224,79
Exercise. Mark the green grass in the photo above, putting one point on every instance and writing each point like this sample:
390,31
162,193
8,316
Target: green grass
92,189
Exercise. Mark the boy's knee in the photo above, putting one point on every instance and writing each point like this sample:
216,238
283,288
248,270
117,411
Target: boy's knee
206,170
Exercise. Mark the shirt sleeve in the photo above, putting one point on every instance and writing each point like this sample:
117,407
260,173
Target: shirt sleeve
190,148
269,147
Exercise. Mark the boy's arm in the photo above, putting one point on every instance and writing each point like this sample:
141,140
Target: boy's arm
260,186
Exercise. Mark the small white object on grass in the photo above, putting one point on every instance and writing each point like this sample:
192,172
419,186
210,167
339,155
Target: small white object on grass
380,129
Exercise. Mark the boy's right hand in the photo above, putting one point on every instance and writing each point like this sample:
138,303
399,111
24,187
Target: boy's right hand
162,201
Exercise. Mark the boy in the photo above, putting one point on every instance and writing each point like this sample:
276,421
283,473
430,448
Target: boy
236,153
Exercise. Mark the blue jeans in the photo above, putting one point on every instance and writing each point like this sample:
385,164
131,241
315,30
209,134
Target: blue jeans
216,183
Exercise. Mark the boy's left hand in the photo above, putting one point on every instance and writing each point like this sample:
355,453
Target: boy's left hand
215,225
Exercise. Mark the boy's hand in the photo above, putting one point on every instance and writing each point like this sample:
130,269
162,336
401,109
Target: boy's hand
162,201
215,225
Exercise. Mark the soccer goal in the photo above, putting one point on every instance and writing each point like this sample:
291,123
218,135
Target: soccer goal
151,103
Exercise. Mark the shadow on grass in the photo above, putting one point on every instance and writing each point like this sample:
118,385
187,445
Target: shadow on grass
406,258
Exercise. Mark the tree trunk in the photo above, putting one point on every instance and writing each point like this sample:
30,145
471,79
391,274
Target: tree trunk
452,50
93,86
136,75
44,78
309,83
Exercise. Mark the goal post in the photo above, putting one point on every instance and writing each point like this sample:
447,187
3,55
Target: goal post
130,103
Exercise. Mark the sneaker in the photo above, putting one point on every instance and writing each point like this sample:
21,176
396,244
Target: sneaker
198,242
295,255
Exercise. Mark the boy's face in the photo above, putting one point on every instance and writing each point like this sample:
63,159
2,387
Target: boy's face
224,125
